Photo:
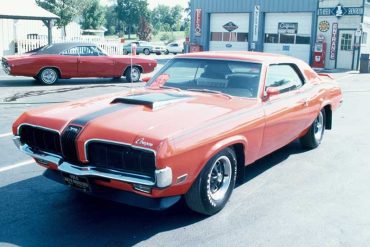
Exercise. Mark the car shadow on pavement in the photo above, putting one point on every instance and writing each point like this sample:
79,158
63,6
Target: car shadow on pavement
271,160
39,212
27,82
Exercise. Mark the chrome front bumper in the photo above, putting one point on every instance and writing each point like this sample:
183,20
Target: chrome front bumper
163,177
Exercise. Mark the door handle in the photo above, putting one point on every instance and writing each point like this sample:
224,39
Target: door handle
303,102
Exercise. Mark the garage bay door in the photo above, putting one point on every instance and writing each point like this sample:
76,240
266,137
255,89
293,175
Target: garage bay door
229,31
289,34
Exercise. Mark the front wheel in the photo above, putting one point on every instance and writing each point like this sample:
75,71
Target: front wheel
214,185
166,52
125,52
48,76
133,75
314,135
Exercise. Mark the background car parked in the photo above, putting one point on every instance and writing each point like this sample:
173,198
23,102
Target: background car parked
174,47
143,47
67,60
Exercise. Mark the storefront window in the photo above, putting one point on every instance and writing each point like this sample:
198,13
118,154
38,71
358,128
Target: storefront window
229,36
216,36
271,38
300,39
242,37
287,38
346,42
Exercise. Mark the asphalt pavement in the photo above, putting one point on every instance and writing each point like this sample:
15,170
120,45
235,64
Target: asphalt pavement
292,197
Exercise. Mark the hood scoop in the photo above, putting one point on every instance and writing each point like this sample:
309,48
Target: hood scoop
152,100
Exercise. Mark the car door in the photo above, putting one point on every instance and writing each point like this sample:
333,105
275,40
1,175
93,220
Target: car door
93,63
284,112
68,63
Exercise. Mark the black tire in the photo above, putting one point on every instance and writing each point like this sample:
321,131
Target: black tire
208,195
146,51
48,76
133,76
125,52
175,53
314,135
166,52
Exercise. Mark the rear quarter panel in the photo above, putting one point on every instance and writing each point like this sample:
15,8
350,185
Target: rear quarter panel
32,65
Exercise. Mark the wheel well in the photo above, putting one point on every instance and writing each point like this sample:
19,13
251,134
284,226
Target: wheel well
240,159
328,117
137,66
50,67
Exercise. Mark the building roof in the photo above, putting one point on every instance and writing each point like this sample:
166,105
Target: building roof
28,10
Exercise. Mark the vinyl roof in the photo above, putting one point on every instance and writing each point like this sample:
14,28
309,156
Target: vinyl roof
27,10
57,48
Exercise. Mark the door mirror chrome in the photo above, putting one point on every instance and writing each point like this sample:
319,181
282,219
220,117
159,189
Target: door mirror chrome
271,91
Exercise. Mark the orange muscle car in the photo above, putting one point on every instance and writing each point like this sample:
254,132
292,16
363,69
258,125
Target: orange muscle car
189,132
67,60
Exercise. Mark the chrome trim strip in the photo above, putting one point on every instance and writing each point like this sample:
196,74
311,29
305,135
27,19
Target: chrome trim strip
163,177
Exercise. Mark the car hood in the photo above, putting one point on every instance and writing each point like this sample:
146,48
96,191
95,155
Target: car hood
144,118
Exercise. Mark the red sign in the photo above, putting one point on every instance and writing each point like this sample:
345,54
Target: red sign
198,22
333,46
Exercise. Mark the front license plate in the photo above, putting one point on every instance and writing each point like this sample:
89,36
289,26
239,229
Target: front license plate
76,182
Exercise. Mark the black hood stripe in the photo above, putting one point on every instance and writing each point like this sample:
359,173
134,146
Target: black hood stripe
82,121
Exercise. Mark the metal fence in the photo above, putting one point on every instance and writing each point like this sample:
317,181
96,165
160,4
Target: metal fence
111,46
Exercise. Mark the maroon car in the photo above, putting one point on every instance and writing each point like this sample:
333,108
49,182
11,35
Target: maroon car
67,60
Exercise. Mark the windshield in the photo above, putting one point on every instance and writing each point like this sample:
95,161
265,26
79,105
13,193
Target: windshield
230,77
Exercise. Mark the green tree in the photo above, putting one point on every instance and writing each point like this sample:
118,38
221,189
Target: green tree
67,10
130,11
145,29
93,15
166,18
176,16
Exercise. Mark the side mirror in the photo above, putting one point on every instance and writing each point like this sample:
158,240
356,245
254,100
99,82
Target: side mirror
272,91
146,79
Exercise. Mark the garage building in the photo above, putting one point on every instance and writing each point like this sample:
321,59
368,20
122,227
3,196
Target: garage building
277,26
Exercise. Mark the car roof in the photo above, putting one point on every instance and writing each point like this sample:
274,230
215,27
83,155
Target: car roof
258,57
57,48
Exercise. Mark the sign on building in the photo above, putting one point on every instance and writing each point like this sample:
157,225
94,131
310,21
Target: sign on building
256,22
288,28
333,45
198,22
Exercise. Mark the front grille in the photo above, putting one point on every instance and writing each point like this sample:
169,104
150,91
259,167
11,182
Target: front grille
40,139
68,141
121,157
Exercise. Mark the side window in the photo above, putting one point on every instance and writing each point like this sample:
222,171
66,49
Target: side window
70,52
86,51
284,77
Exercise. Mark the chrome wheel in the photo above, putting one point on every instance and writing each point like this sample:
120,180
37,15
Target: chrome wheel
146,52
49,76
219,178
318,127
135,74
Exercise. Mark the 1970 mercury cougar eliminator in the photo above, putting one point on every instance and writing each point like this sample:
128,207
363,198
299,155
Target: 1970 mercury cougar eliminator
67,60
189,132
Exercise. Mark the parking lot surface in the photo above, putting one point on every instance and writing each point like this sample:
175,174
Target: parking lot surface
292,197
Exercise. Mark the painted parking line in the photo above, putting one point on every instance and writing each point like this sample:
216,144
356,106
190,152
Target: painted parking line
17,165
6,134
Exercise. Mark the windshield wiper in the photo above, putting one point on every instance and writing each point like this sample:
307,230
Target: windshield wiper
203,90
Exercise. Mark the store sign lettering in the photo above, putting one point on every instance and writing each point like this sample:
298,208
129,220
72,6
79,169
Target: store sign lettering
339,11
198,22
333,46
288,27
